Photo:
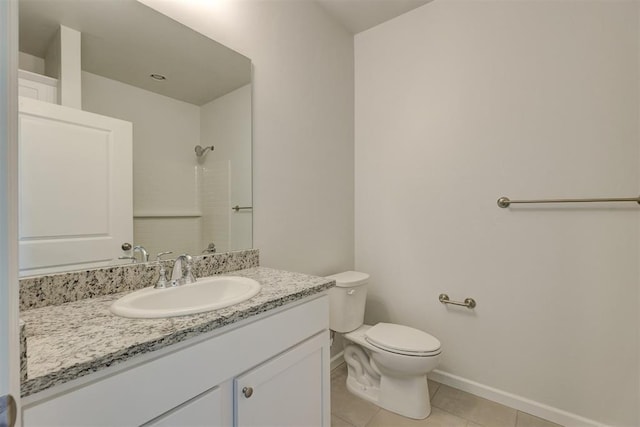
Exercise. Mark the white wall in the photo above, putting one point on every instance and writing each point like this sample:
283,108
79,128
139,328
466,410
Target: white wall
216,205
302,125
459,103
225,123
31,63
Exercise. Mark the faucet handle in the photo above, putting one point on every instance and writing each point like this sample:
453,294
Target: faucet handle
162,278
161,254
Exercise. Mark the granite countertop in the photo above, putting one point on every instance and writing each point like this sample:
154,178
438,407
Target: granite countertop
71,340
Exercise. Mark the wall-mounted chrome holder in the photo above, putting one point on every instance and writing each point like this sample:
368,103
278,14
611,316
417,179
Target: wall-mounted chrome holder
505,202
468,302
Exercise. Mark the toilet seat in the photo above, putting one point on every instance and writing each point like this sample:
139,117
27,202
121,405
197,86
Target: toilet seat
402,340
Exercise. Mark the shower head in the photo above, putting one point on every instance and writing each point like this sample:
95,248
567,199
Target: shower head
201,151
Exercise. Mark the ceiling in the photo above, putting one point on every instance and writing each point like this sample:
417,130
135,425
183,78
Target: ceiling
360,15
197,69
113,45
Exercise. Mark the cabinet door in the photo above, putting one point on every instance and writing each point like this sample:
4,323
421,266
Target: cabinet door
76,204
291,389
203,410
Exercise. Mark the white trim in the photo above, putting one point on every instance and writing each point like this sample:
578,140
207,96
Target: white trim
337,360
9,323
512,400
38,78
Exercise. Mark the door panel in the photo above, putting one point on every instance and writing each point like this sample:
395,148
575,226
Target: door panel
76,204
9,342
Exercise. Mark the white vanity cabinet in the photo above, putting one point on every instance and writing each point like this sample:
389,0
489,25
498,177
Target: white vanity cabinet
283,358
206,409
284,391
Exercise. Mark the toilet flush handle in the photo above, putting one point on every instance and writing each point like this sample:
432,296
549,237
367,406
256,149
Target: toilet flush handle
351,291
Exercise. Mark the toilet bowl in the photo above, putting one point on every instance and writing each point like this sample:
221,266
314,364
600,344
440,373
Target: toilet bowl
387,363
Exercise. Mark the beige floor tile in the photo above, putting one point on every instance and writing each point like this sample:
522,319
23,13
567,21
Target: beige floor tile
339,422
346,405
340,370
433,388
473,408
438,418
451,408
528,420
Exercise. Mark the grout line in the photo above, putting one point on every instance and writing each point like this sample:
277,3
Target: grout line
456,415
436,392
342,419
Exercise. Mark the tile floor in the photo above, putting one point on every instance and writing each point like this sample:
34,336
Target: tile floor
450,408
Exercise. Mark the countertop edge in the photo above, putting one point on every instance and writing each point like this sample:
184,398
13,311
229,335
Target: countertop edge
31,386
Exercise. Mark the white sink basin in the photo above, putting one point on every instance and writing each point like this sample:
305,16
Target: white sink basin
206,294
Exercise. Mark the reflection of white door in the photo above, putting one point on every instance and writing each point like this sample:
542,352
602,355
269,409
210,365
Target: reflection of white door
76,205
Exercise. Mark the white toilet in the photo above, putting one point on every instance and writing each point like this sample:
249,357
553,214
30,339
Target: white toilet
387,363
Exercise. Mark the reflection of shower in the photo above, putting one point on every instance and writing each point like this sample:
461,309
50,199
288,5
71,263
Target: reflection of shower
201,151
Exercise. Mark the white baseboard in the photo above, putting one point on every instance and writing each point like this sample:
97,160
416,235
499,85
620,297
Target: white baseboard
514,401
337,360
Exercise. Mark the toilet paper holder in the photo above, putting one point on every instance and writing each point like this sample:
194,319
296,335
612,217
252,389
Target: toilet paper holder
470,303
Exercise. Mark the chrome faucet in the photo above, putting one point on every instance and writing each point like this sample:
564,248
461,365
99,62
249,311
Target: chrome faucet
144,255
162,282
177,275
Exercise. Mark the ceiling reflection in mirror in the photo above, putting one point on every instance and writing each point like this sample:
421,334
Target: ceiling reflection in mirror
187,102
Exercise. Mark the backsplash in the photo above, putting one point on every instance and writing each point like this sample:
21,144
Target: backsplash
55,289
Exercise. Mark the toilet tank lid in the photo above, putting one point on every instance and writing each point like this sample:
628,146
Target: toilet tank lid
348,279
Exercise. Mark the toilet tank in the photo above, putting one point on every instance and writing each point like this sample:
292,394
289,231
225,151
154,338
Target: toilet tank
347,300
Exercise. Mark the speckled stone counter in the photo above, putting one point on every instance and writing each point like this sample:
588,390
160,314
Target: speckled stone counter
61,288
77,338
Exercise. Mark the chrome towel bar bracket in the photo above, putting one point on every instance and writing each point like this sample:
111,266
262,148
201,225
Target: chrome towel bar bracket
468,302
504,202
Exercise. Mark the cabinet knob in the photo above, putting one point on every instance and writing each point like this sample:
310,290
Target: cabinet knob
247,391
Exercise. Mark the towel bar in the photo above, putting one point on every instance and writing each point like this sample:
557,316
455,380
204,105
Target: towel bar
468,302
504,202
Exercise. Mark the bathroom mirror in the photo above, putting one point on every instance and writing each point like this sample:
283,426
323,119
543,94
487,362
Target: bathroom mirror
188,99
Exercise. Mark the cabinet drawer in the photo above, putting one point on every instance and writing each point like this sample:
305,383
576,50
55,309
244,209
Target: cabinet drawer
203,410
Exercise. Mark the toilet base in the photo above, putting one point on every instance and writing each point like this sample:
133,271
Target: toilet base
408,397
395,382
